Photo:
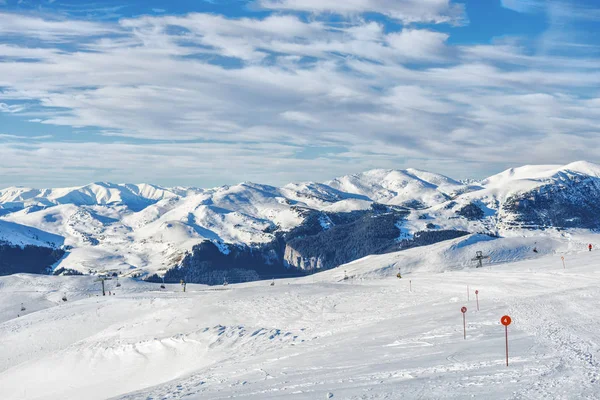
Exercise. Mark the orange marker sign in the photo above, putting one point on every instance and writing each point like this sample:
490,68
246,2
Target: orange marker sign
506,321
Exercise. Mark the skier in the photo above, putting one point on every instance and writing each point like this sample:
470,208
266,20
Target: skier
399,275
590,246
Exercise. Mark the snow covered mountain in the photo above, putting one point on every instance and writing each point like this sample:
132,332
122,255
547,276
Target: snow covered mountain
135,197
410,188
530,198
251,230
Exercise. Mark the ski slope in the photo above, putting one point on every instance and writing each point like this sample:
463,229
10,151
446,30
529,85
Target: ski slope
367,337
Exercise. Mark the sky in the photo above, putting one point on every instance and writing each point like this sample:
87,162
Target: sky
211,92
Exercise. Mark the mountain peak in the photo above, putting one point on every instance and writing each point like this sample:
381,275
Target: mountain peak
541,172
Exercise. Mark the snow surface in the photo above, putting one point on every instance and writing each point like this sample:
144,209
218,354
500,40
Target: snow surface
134,196
524,179
367,337
399,187
149,229
20,235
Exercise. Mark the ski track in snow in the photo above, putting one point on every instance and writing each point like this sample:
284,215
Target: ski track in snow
305,338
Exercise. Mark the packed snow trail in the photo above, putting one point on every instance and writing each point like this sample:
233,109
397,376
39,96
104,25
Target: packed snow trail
305,338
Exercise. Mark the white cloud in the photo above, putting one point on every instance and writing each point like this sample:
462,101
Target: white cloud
419,44
524,6
298,116
20,137
21,25
292,85
11,109
408,11
556,9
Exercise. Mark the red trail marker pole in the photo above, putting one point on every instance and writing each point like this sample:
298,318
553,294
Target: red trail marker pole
464,311
477,296
563,260
410,285
506,320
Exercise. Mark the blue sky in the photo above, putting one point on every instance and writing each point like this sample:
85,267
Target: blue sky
204,93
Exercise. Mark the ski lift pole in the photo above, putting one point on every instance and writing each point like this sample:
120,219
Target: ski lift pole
479,258
101,279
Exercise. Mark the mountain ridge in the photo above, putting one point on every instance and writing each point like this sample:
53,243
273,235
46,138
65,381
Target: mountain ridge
148,229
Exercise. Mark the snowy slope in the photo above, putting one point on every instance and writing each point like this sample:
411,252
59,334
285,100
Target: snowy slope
135,197
529,197
20,235
315,337
412,188
149,228
530,177
456,254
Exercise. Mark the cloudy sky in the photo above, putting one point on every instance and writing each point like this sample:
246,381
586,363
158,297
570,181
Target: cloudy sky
204,93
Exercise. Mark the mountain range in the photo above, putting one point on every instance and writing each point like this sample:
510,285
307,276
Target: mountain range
251,231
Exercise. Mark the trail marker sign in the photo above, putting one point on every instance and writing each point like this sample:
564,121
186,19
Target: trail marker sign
464,311
506,321
477,296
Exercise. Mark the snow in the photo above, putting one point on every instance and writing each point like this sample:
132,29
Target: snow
344,206
456,254
149,228
135,196
116,236
20,235
395,187
527,178
368,337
